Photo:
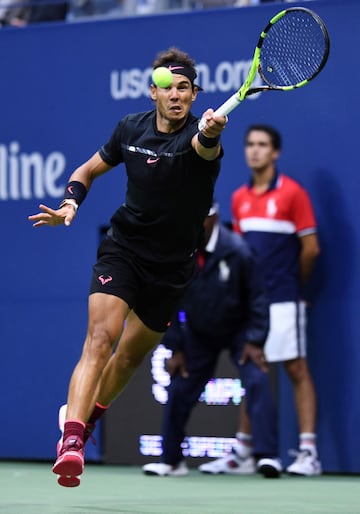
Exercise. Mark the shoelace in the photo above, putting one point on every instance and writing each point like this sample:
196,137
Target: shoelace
300,455
71,443
239,457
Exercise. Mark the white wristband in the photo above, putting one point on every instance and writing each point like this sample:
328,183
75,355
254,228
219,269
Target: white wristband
69,201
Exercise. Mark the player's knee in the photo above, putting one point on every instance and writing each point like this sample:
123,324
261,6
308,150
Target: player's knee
297,370
99,344
128,360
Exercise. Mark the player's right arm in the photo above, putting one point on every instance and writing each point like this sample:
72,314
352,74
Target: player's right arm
83,176
206,142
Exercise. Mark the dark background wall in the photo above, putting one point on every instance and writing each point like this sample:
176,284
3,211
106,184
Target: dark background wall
63,89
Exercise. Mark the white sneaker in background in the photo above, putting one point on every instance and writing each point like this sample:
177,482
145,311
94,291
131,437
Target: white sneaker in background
62,416
161,469
269,467
61,421
243,451
305,464
231,464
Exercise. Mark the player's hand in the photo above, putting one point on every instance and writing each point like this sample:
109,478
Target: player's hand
51,217
176,365
255,354
214,125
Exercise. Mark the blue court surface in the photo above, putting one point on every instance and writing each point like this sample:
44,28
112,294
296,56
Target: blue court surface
32,488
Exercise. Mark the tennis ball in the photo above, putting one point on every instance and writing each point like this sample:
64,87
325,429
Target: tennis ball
162,77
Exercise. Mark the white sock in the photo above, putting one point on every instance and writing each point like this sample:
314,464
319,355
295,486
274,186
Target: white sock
243,445
308,442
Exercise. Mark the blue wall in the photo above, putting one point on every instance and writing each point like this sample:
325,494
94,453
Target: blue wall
63,89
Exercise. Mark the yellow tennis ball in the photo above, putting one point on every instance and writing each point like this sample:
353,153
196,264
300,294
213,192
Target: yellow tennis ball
162,77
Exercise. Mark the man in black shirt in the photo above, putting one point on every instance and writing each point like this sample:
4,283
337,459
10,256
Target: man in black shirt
148,259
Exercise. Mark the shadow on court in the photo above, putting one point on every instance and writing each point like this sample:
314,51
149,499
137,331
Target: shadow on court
31,488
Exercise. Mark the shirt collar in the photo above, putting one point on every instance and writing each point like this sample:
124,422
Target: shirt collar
273,184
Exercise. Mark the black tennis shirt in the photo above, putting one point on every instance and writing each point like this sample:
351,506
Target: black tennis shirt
169,190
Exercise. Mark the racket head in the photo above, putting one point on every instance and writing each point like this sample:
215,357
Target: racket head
294,48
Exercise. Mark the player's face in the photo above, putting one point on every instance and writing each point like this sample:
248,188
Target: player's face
173,103
259,151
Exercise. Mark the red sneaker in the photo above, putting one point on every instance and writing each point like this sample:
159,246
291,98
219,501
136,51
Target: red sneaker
64,480
70,463
89,429
68,481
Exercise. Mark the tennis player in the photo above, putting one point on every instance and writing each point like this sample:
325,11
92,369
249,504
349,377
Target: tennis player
147,260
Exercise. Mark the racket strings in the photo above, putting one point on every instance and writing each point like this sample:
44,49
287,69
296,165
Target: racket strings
293,50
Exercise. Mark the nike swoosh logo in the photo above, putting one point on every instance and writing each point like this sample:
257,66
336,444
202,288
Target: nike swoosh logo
172,68
152,161
70,189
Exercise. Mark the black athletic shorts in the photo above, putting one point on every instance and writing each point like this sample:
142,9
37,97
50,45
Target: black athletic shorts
152,290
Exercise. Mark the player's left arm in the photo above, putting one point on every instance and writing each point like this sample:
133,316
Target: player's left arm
310,249
305,223
206,142
83,176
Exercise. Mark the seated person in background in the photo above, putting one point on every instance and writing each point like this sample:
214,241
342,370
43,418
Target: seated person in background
18,13
43,11
13,12
224,308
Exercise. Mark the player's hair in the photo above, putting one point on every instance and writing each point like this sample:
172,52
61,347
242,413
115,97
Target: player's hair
271,131
173,54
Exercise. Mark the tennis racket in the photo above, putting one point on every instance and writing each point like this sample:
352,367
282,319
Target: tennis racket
292,49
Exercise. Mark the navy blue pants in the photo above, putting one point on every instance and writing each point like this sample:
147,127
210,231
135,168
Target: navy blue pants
201,359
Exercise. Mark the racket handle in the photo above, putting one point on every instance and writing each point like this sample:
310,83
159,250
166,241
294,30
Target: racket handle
224,109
